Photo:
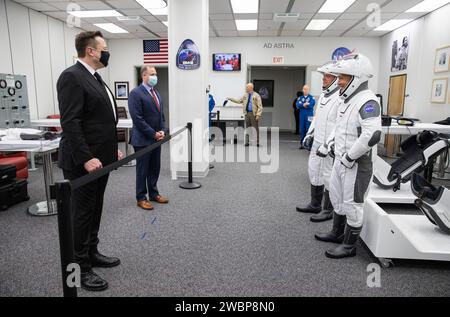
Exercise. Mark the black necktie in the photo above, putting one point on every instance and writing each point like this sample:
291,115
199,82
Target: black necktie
99,78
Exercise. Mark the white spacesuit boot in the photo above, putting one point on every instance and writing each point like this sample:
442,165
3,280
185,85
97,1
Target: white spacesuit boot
358,131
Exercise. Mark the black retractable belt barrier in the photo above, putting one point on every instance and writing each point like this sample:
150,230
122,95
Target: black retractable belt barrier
65,228
63,190
190,183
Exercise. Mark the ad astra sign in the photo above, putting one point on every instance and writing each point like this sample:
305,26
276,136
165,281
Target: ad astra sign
279,45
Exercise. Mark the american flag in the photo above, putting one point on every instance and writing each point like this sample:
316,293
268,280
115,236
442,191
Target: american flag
156,51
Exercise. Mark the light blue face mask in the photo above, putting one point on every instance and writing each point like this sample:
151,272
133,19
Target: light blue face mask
153,81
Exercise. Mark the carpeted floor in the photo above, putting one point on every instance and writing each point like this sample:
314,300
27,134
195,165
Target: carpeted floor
238,235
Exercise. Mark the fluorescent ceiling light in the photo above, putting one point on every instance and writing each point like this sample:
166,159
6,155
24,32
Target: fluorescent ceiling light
393,24
335,6
428,5
247,25
95,13
319,24
152,4
111,27
245,6
155,7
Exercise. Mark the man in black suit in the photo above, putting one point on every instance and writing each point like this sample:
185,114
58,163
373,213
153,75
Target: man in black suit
89,142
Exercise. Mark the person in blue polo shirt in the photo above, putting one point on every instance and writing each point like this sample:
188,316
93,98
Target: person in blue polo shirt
306,105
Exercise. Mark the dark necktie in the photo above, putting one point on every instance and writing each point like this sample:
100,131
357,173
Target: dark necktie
155,99
248,102
99,78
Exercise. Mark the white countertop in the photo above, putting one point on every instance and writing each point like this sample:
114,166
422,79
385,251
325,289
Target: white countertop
29,146
55,123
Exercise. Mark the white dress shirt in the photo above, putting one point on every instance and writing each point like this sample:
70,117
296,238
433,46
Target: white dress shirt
111,98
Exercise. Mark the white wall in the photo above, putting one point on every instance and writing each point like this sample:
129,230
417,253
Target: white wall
127,53
39,47
306,52
426,35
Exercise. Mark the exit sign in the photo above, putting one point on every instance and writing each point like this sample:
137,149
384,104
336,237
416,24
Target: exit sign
278,60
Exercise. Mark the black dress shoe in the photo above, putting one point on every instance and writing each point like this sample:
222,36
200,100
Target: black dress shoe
99,260
92,282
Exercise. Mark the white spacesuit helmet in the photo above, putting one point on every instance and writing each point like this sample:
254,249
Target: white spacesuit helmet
325,69
356,65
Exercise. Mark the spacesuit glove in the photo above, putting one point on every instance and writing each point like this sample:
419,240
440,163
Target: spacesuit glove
347,161
331,149
322,151
308,141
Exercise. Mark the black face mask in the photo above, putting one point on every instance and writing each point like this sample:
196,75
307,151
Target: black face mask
104,58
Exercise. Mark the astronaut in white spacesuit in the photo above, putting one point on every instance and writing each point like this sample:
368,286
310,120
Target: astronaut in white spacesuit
319,168
356,134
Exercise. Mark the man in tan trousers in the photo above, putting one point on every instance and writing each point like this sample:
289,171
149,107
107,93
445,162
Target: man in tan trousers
252,109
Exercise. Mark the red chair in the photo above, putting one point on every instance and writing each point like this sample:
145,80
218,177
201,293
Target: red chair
19,159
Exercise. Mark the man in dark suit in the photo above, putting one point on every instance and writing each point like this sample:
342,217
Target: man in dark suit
146,109
89,142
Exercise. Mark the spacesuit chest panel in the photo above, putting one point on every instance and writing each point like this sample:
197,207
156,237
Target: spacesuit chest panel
348,126
326,116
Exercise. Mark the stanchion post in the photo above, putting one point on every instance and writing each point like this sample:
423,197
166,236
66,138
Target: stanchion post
65,228
190,183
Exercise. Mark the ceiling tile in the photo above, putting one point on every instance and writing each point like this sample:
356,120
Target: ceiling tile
331,16
248,33
311,33
271,6
156,27
361,5
224,25
221,16
267,33
219,6
331,33
290,32
399,6
299,25
266,16
135,12
353,16
268,25
39,6
60,5
307,6
124,4
342,25
94,5
227,33
246,16
60,15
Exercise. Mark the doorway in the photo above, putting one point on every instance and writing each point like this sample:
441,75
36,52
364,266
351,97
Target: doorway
395,108
162,87
287,80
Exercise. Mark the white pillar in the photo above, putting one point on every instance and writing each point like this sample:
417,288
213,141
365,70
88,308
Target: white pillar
189,19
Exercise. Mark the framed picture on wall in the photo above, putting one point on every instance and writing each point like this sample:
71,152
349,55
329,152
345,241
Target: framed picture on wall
121,90
265,89
441,63
439,90
400,52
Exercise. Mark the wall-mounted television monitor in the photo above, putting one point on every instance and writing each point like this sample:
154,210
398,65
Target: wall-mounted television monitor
226,62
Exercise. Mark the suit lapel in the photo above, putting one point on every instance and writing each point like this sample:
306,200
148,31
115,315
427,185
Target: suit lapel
96,85
146,92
